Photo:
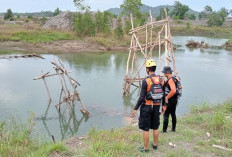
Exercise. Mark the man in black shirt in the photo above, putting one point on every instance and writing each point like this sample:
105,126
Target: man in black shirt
150,108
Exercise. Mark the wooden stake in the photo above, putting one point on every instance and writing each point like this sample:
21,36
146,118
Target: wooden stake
146,40
160,54
132,23
151,26
49,95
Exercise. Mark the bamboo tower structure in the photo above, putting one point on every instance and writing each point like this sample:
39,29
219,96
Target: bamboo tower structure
143,40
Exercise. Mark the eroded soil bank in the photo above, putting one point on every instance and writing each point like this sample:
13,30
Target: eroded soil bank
63,46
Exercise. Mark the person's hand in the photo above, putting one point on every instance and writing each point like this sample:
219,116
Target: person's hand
164,109
134,113
166,100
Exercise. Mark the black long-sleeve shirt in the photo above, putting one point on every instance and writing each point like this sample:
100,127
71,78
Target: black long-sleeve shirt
142,96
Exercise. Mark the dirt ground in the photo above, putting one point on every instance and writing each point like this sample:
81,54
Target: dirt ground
63,46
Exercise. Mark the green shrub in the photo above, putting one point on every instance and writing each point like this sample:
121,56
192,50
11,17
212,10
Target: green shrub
218,121
56,12
84,25
119,31
8,14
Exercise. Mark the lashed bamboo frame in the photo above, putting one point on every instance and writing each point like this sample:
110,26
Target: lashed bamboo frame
150,44
66,96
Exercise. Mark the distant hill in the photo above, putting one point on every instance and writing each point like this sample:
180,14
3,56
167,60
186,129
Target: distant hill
155,10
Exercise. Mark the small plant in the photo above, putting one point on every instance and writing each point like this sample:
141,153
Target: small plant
228,106
30,17
43,20
56,12
218,121
188,26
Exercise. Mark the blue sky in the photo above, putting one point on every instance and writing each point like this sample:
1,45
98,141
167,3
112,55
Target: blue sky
38,5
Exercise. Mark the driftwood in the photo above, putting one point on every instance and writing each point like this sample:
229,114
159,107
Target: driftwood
220,147
152,39
21,56
193,44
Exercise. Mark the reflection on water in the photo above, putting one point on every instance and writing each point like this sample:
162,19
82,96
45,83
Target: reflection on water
69,124
205,75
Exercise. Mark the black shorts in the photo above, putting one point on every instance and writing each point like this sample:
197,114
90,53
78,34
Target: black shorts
149,117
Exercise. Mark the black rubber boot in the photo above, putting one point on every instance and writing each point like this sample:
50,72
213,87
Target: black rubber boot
165,124
154,147
173,125
141,149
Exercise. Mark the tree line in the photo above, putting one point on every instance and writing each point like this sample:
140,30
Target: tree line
88,23
9,15
214,18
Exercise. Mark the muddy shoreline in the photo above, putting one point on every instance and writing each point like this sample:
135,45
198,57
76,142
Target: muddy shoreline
62,46
68,46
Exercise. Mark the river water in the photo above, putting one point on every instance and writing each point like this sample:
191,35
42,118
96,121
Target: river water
206,77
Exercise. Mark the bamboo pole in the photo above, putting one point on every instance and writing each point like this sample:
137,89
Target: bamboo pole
137,41
149,44
132,64
65,95
46,75
132,23
146,40
137,67
61,91
46,86
160,55
151,26
166,46
49,95
167,63
136,74
128,59
157,23
57,68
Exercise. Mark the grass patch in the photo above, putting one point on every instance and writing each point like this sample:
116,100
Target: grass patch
222,32
40,36
190,138
16,140
109,41
36,36
32,33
